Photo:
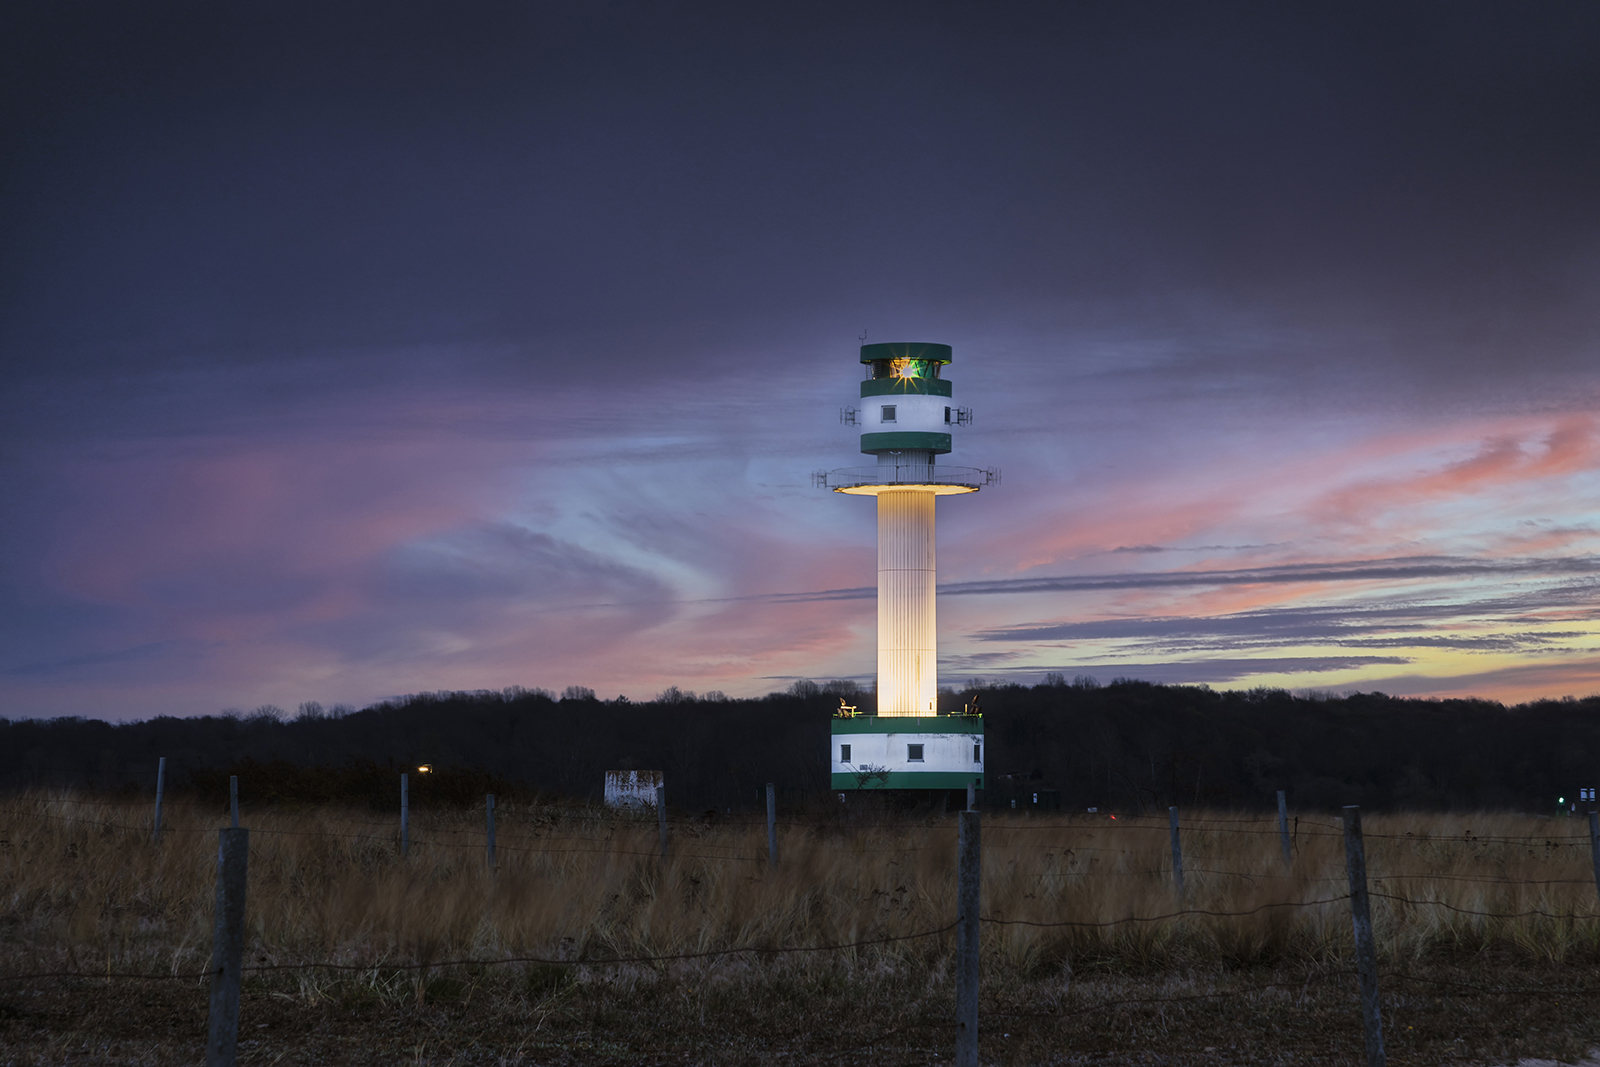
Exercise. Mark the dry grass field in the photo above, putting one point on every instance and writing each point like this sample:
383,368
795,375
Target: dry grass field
1487,925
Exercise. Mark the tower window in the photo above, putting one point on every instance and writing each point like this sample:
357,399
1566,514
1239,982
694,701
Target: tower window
888,413
844,753
913,753
977,753
947,415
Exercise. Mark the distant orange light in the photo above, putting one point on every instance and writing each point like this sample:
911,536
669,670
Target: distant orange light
426,768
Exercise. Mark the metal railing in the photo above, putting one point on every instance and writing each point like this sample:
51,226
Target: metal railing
906,474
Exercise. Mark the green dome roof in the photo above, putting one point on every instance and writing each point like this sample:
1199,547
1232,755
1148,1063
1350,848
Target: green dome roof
929,353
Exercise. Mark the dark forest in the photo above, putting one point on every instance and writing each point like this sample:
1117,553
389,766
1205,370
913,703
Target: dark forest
1127,746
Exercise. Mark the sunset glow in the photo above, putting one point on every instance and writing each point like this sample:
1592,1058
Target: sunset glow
354,382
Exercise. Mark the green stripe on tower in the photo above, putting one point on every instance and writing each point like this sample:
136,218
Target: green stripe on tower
896,386
906,350
901,440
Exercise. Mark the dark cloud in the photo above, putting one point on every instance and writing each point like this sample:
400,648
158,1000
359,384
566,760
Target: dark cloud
1523,642
1189,672
1401,569
80,665
1354,571
557,185
1411,618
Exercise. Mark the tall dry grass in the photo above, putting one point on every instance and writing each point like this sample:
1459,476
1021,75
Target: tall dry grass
83,888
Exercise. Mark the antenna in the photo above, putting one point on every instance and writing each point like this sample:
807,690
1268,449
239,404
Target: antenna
863,336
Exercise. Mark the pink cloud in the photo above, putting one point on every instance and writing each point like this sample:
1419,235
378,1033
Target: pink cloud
1503,461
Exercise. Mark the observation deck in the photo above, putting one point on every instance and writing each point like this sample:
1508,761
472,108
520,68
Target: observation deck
939,479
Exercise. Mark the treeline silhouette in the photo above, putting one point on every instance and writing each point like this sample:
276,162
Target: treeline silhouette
1127,746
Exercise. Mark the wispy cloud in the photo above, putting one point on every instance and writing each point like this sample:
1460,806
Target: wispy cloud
1399,569
79,664
1340,622
1184,672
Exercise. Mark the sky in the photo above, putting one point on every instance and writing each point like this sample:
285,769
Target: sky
353,350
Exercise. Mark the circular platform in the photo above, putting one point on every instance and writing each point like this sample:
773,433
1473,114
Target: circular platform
881,478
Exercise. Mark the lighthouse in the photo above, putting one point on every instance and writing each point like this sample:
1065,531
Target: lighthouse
907,417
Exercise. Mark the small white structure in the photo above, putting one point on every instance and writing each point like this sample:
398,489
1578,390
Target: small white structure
632,790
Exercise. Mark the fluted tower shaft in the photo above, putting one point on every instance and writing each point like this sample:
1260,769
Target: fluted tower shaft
908,676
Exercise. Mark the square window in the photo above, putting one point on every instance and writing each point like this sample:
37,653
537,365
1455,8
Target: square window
977,753
913,753
888,416
844,753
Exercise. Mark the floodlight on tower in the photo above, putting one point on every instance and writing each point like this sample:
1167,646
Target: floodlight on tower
907,418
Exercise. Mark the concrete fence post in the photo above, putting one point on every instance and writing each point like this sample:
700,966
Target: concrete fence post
161,785
1283,828
1177,855
772,824
1355,860
488,807
661,816
405,814
1594,845
969,874
227,947
233,799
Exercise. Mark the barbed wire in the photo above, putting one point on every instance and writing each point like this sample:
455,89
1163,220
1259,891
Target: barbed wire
1163,918
496,961
1486,914
510,832
776,950
1478,879
1117,822
95,822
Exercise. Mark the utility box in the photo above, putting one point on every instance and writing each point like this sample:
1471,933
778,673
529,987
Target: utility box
1044,799
632,790
1020,799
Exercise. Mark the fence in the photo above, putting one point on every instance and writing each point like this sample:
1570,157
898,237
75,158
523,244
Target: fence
1358,893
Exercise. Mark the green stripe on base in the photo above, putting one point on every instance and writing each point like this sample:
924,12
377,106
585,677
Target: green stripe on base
909,780
909,724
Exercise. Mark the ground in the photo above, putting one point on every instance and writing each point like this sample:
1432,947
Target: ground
1456,1014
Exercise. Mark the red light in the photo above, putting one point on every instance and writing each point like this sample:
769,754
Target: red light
1113,816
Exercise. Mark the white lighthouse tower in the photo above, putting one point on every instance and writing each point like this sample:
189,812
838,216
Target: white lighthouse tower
906,417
